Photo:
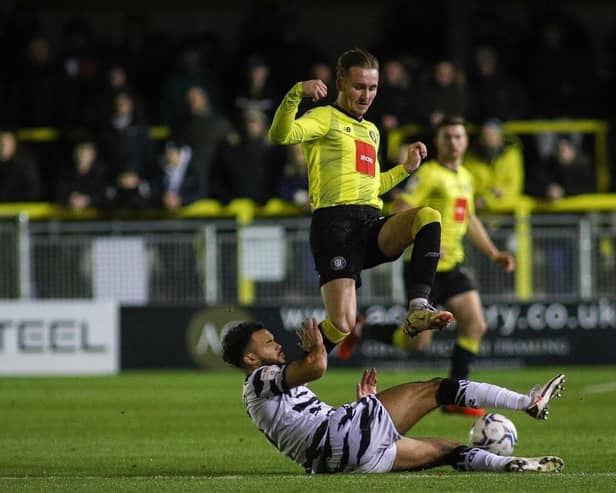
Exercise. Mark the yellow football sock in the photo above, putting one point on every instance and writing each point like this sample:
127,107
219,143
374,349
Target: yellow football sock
425,215
471,345
332,332
399,339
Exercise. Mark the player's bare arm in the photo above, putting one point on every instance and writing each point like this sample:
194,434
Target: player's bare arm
314,89
479,237
314,364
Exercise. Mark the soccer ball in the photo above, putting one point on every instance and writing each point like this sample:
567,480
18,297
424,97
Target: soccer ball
494,433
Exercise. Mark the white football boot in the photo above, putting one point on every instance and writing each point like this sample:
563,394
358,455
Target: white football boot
548,463
542,394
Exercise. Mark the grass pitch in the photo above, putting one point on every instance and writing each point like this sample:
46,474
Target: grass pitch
188,431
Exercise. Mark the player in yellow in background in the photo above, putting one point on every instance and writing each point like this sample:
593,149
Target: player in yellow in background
445,185
348,231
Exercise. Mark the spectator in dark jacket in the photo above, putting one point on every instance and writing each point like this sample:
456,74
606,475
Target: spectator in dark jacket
19,176
203,130
84,183
249,167
293,185
177,182
444,93
127,149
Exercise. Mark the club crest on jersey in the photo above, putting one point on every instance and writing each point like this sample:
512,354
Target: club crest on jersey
372,135
268,373
348,129
337,263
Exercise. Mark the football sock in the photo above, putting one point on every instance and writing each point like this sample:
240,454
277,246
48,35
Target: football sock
476,394
476,459
462,358
421,267
380,333
331,334
399,338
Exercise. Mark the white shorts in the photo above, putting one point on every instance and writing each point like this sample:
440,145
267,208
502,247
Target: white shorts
361,438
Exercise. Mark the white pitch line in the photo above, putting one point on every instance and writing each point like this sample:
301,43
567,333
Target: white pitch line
251,477
600,388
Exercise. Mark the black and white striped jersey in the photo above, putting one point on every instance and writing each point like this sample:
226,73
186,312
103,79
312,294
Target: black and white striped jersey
294,420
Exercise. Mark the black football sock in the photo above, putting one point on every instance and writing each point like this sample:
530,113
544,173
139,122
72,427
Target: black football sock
421,268
461,362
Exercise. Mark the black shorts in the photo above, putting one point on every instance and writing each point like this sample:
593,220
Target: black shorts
344,241
446,285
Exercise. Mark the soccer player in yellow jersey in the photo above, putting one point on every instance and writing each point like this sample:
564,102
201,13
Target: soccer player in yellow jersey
445,185
348,231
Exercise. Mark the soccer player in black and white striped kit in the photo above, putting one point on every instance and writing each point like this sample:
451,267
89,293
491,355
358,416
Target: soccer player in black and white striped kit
367,435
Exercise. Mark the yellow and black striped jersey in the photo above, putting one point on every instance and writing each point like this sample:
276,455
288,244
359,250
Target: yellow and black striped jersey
451,193
341,153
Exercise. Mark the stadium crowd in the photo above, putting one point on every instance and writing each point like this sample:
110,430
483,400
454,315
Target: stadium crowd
103,97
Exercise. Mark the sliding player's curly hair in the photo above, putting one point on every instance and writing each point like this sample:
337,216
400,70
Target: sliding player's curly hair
356,57
235,341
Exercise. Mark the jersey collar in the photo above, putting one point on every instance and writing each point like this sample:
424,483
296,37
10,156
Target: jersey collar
347,113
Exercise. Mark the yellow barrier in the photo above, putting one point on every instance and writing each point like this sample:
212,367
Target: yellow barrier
522,127
245,211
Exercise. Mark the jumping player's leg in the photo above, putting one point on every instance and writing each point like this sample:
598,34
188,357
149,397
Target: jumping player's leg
340,301
421,227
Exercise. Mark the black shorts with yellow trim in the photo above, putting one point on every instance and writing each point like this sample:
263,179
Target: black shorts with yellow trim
344,241
447,284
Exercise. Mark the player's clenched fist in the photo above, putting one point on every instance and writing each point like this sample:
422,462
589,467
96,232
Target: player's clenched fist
416,152
314,89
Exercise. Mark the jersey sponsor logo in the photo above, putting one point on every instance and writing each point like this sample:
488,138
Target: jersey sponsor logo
365,158
459,209
338,263
372,135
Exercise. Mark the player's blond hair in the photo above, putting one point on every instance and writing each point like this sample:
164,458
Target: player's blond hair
355,57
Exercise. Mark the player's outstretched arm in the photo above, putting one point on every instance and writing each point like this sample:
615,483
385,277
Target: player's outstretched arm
480,238
314,363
